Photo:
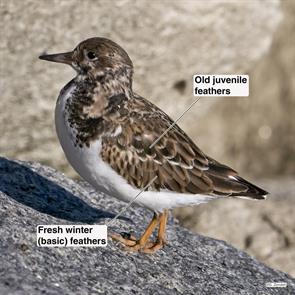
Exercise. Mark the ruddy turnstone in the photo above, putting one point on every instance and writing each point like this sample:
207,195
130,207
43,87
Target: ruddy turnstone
107,133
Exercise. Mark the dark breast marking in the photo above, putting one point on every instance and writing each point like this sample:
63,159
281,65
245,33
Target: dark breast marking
85,128
87,123
90,130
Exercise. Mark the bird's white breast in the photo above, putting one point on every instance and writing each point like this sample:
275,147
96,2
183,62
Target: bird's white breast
88,163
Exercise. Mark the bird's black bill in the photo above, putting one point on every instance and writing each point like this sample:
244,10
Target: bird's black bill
66,57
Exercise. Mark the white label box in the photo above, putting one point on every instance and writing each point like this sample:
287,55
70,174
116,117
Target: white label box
221,85
75,235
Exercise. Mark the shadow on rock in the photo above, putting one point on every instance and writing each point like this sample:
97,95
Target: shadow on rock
33,190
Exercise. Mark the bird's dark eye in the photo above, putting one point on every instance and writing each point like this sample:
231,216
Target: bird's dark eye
91,55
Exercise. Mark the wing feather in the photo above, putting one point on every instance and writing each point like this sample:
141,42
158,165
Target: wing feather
180,166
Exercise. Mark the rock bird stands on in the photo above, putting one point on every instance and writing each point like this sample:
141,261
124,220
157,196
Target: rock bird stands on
106,131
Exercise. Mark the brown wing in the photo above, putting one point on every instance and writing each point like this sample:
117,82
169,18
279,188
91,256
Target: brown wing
179,165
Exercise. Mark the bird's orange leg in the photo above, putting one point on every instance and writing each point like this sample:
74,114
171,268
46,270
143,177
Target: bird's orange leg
133,244
161,239
142,242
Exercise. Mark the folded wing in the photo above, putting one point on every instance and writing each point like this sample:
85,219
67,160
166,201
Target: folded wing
180,166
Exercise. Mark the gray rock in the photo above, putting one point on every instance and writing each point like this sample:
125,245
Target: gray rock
268,231
33,194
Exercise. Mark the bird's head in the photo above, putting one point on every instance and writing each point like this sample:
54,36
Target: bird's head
94,57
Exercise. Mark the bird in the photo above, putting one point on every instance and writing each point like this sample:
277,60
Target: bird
107,132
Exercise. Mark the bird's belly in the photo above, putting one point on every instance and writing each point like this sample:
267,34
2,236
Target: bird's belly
85,160
89,165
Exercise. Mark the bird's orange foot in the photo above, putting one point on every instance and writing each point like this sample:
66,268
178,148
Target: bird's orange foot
126,239
144,244
130,242
138,247
149,248
153,247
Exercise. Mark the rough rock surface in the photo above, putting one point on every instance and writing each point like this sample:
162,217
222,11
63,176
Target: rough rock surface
168,42
268,229
32,194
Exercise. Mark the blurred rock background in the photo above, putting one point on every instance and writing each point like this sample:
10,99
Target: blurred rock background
169,41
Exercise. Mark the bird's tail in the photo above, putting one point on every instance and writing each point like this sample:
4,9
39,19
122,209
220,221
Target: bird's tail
252,192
